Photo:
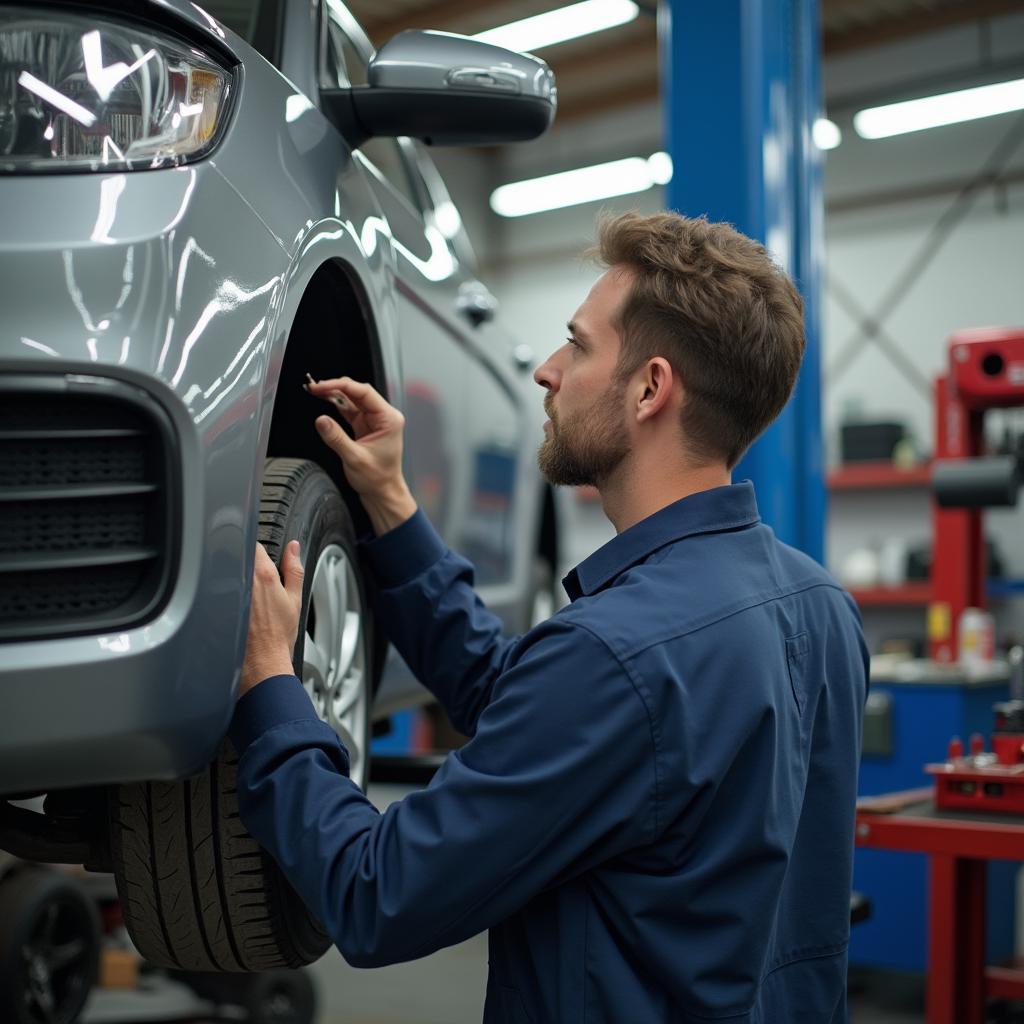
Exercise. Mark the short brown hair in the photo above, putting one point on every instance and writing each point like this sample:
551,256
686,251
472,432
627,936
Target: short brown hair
713,303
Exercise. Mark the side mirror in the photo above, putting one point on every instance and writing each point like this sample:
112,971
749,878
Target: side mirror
447,90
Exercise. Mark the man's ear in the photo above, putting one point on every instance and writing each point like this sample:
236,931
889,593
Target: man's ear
657,386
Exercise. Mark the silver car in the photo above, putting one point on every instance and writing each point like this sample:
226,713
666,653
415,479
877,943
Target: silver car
199,206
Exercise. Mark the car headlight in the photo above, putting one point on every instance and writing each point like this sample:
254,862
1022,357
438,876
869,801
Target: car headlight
87,93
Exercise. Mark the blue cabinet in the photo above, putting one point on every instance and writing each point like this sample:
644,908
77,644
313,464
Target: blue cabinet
922,718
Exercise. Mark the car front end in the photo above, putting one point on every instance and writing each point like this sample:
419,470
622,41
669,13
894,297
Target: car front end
134,345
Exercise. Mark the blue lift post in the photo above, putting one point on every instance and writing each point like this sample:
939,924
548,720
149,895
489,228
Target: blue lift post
741,89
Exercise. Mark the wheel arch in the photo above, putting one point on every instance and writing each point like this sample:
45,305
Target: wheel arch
333,332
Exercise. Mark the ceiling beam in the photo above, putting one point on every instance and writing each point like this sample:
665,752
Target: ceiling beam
434,15
597,59
628,95
889,30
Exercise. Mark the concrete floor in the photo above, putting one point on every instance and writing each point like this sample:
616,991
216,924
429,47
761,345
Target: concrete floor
448,988
445,988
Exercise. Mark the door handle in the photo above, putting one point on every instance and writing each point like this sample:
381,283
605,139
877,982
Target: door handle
524,358
476,303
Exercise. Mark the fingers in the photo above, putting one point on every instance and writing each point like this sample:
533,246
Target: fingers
264,568
338,400
364,396
293,572
291,568
335,437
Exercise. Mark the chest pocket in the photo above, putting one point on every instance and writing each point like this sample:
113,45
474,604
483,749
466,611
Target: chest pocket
797,650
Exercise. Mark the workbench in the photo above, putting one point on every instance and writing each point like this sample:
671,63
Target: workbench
958,847
914,708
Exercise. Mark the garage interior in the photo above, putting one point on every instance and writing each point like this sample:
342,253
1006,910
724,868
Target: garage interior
921,236
920,242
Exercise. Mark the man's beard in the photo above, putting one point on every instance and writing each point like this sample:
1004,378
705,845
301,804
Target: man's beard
588,446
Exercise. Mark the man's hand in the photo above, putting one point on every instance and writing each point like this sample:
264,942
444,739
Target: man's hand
372,459
273,617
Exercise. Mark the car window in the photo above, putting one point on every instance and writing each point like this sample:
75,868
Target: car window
386,156
342,64
445,213
346,65
258,22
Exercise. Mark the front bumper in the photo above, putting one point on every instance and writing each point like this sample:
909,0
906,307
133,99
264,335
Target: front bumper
166,283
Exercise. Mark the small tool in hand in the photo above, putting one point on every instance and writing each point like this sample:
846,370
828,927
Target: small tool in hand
336,398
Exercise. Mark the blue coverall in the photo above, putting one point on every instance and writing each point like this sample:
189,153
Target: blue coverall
654,814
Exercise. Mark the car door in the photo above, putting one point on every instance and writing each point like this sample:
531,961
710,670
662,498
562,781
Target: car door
497,412
426,287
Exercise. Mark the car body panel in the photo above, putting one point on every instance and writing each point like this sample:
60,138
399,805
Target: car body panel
184,283
144,309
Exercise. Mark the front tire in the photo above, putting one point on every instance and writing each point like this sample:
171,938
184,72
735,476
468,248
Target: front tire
197,891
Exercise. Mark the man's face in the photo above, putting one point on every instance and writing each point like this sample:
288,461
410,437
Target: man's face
587,436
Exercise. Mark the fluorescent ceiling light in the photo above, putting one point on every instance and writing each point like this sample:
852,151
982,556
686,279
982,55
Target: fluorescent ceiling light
934,111
660,166
583,185
559,25
826,133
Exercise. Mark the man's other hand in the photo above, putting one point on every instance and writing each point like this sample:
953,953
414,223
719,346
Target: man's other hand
273,617
372,457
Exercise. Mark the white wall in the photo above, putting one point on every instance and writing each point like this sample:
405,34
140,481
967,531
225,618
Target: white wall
975,278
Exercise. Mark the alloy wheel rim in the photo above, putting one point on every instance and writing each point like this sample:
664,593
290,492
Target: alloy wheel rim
55,959
334,670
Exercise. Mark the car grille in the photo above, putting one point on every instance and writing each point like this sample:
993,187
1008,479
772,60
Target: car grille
85,510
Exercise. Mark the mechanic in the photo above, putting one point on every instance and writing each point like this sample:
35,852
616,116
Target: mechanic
654,812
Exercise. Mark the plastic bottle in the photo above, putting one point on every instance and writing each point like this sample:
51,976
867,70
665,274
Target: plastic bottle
976,638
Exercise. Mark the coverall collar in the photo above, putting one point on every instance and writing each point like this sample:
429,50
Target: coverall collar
720,508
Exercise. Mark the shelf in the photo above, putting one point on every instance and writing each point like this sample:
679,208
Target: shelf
920,593
864,476
908,595
998,587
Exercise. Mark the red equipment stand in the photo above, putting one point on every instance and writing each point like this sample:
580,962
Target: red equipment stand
986,371
958,846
